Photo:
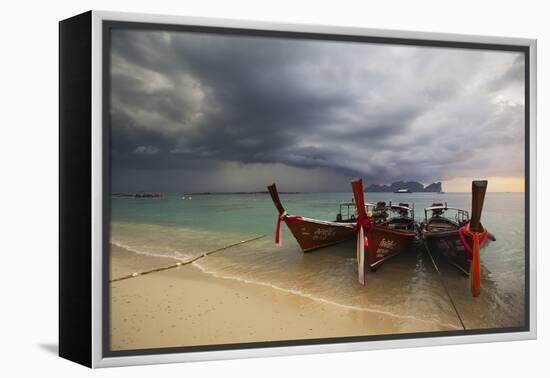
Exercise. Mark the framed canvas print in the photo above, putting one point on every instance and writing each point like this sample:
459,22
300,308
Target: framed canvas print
233,189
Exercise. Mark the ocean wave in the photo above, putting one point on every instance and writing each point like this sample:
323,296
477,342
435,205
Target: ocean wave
318,299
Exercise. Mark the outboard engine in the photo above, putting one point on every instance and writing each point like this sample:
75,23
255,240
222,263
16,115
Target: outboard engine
404,212
380,214
437,212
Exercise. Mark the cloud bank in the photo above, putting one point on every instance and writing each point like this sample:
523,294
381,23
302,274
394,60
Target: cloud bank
194,112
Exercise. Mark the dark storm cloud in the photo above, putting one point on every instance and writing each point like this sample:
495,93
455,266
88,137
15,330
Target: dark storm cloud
182,101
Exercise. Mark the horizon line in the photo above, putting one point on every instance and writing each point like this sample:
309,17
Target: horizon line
280,192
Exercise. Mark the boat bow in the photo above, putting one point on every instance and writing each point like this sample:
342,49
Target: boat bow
310,233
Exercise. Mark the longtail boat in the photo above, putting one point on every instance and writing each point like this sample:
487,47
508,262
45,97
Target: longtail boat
380,233
451,233
310,233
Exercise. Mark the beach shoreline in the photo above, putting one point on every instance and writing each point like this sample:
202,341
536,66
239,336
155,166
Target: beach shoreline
189,306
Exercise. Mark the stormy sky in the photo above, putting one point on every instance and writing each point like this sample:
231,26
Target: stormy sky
203,112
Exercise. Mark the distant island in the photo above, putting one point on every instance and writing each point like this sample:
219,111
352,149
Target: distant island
138,195
405,187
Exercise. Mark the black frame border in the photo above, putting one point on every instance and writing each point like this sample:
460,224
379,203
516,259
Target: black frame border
108,25
75,189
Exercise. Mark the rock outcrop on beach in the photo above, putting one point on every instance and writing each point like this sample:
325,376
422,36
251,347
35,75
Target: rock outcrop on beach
412,186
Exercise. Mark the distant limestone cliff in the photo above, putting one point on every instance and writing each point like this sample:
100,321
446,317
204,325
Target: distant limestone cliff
435,187
411,186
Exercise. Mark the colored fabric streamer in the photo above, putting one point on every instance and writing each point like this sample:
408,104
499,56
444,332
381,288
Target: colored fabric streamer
363,227
465,231
478,239
287,219
474,267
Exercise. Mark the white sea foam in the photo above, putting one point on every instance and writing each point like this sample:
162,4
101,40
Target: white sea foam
318,299
175,255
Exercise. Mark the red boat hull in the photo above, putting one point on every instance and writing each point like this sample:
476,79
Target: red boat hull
385,243
312,234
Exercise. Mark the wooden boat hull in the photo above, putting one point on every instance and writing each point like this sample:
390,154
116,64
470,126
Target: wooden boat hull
449,245
385,243
312,234
453,239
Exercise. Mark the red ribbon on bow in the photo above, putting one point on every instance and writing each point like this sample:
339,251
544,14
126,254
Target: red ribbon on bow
288,219
366,224
478,238
465,230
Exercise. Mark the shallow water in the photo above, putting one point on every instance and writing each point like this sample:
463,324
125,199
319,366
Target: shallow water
406,288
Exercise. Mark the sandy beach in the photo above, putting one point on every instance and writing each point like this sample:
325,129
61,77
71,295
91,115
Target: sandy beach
188,307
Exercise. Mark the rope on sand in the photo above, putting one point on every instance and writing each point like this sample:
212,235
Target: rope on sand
445,288
182,263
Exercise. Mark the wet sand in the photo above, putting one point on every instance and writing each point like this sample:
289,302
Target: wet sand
188,307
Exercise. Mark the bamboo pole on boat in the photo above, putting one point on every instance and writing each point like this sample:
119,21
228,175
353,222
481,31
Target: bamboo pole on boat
182,263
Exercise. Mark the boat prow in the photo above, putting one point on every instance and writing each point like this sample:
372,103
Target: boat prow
311,234
458,239
387,235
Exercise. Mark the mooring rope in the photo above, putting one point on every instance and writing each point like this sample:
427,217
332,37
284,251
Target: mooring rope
445,288
182,263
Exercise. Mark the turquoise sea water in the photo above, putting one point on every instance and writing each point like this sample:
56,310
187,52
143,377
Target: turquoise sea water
406,288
